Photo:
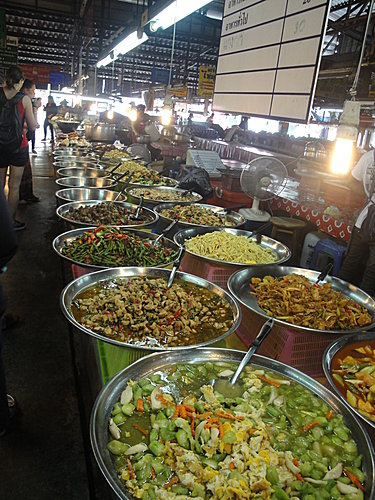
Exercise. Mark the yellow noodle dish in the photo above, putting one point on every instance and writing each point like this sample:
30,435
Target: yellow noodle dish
222,245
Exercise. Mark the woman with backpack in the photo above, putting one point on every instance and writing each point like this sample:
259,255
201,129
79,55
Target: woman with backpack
15,109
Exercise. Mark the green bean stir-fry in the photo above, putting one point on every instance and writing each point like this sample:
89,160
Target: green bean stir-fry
111,247
173,437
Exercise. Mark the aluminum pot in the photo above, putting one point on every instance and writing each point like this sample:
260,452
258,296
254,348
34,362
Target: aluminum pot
111,392
59,243
331,351
280,250
82,172
239,285
143,139
100,132
124,273
64,209
86,182
131,192
87,194
234,217
76,163
67,126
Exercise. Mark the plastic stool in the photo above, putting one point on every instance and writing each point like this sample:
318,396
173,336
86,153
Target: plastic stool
326,251
292,227
309,244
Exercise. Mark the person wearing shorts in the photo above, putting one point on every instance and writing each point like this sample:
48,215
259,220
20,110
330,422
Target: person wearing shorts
16,160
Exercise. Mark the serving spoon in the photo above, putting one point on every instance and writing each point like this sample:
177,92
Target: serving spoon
176,265
164,232
139,208
229,388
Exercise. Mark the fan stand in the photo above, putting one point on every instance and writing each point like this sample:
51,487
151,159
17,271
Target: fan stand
255,213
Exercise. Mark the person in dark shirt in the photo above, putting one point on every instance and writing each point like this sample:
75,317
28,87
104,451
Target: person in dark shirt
51,110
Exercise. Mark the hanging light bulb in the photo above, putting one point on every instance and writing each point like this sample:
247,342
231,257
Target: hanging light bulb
110,114
166,115
346,137
93,107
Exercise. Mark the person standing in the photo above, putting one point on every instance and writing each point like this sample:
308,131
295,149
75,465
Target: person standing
51,110
37,103
15,108
8,247
26,187
359,263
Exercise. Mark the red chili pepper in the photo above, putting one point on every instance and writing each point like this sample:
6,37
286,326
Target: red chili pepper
253,288
317,285
177,313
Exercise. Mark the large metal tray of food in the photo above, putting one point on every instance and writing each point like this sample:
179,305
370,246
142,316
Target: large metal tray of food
86,182
96,213
82,172
310,306
254,425
349,366
104,247
244,249
156,195
207,215
150,315
86,194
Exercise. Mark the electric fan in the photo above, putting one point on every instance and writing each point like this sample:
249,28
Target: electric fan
262,179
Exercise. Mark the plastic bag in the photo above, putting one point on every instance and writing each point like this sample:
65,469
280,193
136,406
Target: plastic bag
196,179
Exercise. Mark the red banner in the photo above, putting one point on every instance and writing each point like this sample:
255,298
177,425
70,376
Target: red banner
38,73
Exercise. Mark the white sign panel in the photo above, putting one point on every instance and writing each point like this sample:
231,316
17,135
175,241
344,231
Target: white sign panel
269,57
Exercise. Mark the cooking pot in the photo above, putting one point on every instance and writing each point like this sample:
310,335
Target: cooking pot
143,139
100,132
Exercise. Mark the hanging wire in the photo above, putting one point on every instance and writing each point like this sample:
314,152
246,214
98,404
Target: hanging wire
353,89
172,53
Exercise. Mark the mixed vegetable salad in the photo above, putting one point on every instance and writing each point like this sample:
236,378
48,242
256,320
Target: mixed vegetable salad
172,436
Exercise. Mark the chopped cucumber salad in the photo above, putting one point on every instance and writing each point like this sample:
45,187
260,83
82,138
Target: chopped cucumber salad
172,436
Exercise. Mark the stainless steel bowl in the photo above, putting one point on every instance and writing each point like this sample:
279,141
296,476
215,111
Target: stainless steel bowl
80,284
172,183
67,126
82,172
86,182
90,157
87,194
111,392
64,209
331,352
70,153
156,189
239,285
233,217
59,243
77,163
282,251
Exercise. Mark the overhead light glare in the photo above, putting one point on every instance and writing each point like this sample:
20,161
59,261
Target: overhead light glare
106,60
129,43
346,137
177,10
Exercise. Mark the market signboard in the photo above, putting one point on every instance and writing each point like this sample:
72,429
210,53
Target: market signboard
8,50
206,81
269,57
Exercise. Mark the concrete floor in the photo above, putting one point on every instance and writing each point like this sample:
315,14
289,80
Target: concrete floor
46,455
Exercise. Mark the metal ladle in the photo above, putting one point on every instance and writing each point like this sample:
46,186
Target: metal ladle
176,265
164,232
229,388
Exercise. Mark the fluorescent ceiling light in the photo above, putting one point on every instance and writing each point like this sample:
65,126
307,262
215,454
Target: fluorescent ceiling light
126,45
129,43
176,11
106,60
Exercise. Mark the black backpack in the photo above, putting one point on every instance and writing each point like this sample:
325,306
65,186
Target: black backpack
196,179
11,123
